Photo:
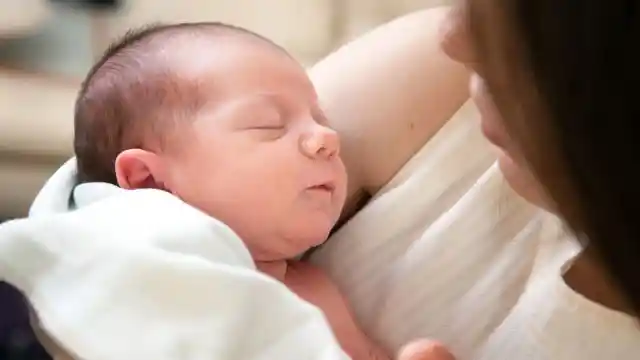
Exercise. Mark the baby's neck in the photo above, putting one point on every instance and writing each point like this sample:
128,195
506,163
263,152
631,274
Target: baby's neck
275,269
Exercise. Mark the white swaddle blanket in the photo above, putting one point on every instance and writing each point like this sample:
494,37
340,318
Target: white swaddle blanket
117,275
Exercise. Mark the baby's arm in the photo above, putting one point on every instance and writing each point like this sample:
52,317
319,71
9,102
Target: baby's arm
314,286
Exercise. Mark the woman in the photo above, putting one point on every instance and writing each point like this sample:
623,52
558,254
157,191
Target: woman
564,80
558,103
567,119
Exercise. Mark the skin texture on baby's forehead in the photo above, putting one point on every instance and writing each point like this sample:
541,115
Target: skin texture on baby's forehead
196,77
193,70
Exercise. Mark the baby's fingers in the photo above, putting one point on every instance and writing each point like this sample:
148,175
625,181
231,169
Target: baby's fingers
425,350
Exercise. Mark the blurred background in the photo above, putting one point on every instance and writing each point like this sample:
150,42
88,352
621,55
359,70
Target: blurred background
46,47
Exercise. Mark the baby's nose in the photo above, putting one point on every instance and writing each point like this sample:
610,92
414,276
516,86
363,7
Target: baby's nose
321,142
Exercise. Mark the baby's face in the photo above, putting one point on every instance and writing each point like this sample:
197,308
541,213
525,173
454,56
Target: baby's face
262,158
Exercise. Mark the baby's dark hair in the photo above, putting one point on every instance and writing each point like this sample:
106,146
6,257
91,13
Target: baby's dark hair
132,92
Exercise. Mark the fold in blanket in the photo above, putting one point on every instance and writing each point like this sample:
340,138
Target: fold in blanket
114,274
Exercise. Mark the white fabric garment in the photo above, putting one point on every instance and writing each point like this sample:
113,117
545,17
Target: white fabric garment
140,275
446,250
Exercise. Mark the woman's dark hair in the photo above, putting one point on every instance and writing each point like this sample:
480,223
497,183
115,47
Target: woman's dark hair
566,76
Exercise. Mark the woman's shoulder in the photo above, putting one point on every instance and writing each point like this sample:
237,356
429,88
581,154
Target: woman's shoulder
389,105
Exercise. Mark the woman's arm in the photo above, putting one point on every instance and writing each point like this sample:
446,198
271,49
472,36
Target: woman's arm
387,93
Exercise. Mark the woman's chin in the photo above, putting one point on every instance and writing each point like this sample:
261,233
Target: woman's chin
521,180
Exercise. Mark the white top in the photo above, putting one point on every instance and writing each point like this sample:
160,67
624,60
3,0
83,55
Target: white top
446,251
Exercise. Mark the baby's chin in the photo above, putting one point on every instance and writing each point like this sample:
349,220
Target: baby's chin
292,247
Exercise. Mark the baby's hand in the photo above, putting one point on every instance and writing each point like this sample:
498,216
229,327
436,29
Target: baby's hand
425,350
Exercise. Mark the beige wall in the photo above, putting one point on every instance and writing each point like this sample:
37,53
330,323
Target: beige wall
59,40
307,28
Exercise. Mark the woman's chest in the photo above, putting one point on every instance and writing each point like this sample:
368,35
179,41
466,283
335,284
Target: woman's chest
454,277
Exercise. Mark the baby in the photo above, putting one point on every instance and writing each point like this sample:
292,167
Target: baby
228,122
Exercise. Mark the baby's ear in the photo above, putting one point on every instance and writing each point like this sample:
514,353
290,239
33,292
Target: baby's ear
139,169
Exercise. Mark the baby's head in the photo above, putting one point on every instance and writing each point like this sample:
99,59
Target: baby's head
222,118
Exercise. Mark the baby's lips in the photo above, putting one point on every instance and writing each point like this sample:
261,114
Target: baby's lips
324,186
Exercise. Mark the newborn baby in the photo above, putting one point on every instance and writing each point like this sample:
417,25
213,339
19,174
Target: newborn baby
228,122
